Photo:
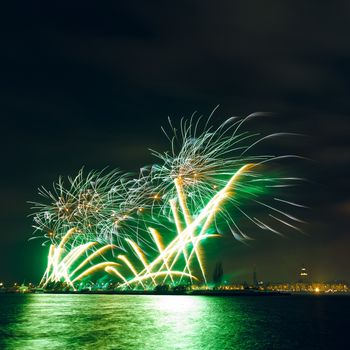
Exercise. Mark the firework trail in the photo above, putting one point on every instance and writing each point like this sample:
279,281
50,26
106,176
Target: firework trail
63,261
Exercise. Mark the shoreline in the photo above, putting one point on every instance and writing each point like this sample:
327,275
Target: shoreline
187,293
209,293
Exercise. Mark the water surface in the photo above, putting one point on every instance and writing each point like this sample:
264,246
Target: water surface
43,321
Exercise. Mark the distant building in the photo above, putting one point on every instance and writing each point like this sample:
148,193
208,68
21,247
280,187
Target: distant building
303,275
255,280
218,274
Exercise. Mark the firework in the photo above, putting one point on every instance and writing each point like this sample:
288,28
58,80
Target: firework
63,261
134,213
201,161
96,205
210,182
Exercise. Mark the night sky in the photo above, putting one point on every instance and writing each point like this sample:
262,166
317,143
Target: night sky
86,85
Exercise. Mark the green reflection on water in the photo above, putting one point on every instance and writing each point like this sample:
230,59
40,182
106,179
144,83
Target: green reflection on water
165,322
121,322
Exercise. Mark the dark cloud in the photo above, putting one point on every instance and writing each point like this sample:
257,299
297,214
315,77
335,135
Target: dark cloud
91,84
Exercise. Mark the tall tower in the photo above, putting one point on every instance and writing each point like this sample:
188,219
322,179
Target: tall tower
303,275
255,280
